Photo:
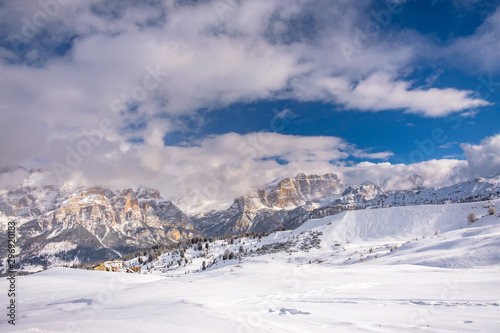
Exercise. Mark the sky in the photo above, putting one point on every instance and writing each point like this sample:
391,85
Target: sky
217,97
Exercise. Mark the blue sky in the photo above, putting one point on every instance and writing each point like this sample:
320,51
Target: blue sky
231,94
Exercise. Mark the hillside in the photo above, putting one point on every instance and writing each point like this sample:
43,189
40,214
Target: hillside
429,235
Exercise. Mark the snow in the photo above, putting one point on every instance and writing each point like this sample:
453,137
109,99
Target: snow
53,248
189,204
374,270
263,296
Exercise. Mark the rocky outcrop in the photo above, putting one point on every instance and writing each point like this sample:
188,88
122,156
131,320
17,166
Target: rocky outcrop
290,193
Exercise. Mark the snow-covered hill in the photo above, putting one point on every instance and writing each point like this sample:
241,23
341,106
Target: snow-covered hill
431,235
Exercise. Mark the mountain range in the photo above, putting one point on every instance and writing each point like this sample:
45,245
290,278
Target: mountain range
65,223
61,224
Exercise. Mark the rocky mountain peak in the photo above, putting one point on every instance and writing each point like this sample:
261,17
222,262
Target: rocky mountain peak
140,193
12,168
301,176
360,193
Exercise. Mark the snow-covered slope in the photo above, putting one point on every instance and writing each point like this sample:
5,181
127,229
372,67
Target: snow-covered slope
431,235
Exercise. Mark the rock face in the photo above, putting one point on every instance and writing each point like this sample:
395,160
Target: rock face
269,208
89,223
290,193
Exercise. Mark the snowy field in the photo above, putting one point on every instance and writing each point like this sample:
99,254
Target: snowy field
373,271
263,296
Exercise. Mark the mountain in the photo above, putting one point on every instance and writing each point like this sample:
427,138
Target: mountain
477,189
268,208
64,223
57,224
371,196
288,203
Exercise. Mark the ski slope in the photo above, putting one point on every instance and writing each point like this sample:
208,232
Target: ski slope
366,271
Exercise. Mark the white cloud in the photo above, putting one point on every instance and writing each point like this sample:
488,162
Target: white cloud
484,158
380,92
480,51
399,176
210,63
230,163
206,61
448,145
226,166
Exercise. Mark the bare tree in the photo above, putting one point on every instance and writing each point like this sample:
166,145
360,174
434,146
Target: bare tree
472,218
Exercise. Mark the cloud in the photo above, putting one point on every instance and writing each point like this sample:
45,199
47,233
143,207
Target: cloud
401,177
226,166
219,167
448,145
484,158
223,167
285,114
18,146
380,91
12,178
207,61
235,163
480,51
140,68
